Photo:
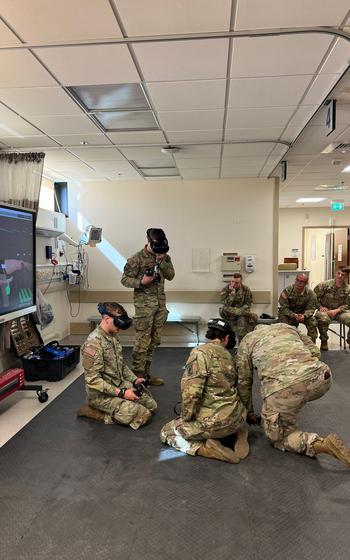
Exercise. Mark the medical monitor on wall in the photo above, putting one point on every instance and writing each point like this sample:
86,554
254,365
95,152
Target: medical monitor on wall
17,262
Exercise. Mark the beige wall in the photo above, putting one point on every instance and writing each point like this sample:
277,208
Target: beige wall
226,215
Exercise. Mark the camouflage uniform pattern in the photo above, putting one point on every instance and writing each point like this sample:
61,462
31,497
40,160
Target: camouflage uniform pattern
105,370
291,302
236,310
211,407
332,297
150,310
290,373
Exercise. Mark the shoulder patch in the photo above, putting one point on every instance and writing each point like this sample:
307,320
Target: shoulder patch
89,351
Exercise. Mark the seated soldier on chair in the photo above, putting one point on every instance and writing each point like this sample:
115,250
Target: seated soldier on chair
111,387
297,304
211,409
237,300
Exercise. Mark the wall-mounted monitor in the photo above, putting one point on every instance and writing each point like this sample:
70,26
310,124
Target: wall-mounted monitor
17,262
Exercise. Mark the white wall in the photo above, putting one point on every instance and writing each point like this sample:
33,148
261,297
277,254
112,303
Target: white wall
226,215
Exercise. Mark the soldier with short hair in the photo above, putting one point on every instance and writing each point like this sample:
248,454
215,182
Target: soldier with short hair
145,272
297,304
334,300
211,408
111,387
291,374
237,301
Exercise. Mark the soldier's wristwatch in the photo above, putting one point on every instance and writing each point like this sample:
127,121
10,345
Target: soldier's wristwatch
121,393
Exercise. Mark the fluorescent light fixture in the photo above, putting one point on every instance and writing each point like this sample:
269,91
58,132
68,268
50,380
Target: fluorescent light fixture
310,199
346,169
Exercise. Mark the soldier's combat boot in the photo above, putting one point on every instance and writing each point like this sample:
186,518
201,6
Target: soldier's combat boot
213,449
324,345
151,379
242,445
89,412
333,445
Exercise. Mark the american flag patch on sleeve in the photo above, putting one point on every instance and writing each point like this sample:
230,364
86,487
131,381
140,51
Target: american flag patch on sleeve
89,351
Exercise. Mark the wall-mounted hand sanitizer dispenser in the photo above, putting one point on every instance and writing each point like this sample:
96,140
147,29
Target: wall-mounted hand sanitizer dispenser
249,263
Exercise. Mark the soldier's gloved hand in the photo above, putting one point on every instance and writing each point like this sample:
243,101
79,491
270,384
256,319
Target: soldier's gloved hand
130,395
253,419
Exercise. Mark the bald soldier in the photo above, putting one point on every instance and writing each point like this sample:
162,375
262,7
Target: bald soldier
211,408
334,301
297,304
237,301
291,374
114,393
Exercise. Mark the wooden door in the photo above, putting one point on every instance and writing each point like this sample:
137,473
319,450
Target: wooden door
341,248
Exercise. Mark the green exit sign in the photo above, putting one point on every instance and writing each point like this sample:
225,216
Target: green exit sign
337,206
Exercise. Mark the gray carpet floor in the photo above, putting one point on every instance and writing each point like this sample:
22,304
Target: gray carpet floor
74,489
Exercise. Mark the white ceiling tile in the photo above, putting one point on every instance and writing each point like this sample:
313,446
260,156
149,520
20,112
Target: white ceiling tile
98,154
64,125
317,133
254,14
166,17
6,35
259,118
278,56
177,96
290,134
123,175
39,101
338,59
212,173
232,172
139,137
21,69
279,91
70,166
115,166
147,155
267,133
302,116
13,125
248,149
209,151
77,139
243,162
183,60
89,65
59,155
154,161
320,89
197,163
40,20
191,120
194,136
28,141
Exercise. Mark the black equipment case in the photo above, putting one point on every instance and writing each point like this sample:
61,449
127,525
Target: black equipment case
51,362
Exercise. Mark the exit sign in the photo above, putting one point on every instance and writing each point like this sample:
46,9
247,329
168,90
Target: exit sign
337,205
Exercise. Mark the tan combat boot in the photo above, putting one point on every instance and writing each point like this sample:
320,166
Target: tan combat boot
242,445
151,379
213,449
333,445
324,345
89,412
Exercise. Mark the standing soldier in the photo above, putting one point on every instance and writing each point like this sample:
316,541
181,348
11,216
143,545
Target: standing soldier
211,408
298,304
145,272
237,300
114,393
334,300
291,375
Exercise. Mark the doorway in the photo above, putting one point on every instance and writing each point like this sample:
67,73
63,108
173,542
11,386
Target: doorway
325,249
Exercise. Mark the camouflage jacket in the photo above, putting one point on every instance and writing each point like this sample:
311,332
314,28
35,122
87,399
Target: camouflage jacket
236,302
332,297
282,357
153,294
208,386
291,301
103,364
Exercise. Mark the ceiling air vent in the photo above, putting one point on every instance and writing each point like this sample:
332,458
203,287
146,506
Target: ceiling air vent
340,148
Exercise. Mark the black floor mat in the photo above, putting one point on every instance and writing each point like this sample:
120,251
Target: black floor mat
76,489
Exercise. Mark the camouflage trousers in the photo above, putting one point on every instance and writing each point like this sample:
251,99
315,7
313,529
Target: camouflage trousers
122,411
148,323
309,322
189,436
240,324
280,413
323,322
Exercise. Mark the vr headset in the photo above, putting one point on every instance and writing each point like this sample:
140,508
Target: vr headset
122,321
158,241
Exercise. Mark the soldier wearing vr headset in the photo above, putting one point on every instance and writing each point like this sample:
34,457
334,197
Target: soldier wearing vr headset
211,407
145,272
114,393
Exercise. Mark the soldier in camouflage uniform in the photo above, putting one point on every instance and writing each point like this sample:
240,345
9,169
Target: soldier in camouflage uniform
297,304
291,374
109,383
145,272
334,299
211,408
237,300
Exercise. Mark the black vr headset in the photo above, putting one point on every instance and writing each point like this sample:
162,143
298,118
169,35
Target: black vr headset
122,321
225,327
158,241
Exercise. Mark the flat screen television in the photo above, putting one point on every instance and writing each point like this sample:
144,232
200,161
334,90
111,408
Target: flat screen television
17,262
